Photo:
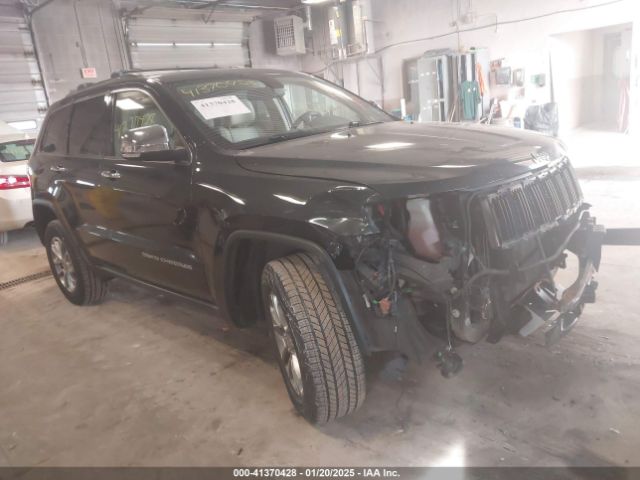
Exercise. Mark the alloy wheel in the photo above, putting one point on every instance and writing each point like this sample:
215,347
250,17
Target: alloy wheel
284,342
62,264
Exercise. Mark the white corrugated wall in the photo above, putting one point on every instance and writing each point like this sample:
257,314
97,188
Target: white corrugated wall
22,97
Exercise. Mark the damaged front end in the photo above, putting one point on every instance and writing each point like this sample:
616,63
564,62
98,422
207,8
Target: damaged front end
476,264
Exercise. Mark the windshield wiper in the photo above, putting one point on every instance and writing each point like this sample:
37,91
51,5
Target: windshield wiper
355,124
290,135
281,137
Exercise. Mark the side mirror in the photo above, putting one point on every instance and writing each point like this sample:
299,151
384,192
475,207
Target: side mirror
152,138
150,144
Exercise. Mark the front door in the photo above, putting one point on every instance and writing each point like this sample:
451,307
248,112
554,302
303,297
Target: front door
147,201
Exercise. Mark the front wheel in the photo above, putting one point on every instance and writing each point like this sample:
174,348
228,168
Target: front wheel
316,349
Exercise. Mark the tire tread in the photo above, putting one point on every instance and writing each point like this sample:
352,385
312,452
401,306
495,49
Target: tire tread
331,353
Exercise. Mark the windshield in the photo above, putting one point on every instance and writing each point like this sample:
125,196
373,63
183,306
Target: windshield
242,113
16,150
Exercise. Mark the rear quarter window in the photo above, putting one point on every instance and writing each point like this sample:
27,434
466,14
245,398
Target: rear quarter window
90,130
56,133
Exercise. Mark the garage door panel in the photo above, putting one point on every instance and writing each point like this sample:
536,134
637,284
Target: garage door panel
17,94
179,57
196,32
11,43
191,36
21,111
142,22
22,96
16,66
157,43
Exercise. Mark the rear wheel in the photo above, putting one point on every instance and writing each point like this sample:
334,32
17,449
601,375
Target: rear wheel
316,349
75,277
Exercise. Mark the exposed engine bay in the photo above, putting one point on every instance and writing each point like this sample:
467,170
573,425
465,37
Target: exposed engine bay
470,265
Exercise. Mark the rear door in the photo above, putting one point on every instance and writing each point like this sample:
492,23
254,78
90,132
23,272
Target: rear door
146,206
89,143
51,172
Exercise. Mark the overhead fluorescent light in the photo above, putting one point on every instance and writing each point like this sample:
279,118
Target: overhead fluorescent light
128,104
194,44
186,44
149,44
314,2
23,124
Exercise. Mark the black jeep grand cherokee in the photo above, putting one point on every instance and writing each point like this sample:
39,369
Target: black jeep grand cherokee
270,194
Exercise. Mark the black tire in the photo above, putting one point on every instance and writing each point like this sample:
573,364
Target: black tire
89,288
332,368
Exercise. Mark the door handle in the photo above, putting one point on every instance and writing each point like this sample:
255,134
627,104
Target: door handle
58,168
111,174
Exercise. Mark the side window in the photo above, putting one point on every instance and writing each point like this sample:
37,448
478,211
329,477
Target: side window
135,110
56,132
90,131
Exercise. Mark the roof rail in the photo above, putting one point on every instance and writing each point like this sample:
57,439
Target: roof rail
121,73
84,85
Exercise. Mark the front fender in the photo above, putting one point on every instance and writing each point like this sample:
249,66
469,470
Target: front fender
295,244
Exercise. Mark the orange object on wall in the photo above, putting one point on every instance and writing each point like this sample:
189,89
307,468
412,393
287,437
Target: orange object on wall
480,79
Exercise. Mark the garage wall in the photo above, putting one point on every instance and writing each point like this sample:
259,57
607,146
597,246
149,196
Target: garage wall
589,92
22,96
398,24
577,78
262,47
619,67
72,34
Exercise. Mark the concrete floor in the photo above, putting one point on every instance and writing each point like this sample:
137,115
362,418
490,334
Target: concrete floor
147,380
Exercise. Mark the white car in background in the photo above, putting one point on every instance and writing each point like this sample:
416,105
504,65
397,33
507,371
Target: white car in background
15,185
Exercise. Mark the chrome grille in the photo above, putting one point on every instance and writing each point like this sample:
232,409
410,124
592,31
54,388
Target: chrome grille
529,205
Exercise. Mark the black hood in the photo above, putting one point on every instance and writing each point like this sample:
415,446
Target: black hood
399,159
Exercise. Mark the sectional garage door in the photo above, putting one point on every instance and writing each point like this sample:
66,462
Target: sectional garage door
186,43
22,98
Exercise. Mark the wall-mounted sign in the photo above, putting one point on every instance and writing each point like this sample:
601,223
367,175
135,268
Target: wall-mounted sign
89,72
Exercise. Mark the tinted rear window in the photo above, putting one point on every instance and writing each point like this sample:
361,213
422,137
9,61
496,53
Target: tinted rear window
90,131
16,151
57,131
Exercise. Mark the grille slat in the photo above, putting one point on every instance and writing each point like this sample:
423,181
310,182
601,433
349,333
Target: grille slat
524,207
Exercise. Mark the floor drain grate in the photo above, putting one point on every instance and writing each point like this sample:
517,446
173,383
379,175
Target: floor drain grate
26,279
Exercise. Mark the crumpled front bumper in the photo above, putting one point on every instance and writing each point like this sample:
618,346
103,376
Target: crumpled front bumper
557,309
